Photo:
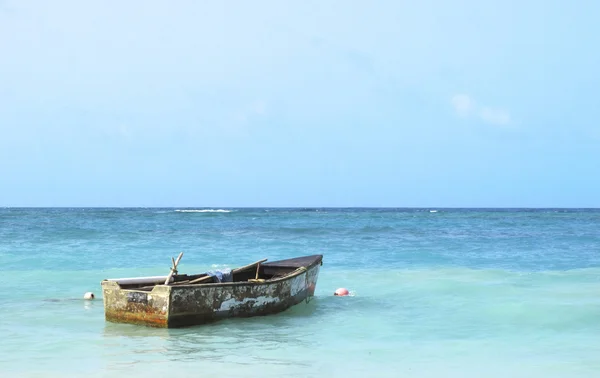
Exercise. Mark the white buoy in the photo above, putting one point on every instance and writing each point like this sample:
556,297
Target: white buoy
89,296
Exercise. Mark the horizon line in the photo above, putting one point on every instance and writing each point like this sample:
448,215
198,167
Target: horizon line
299,207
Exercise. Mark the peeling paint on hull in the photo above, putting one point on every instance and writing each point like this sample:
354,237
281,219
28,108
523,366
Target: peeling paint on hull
172,306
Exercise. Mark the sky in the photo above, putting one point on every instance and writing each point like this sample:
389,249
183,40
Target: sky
311,103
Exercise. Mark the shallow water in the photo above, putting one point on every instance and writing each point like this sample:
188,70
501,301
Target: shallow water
454,293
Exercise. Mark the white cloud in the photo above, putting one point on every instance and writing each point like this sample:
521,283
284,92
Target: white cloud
494,116
462,104
259,107
465,106
243,117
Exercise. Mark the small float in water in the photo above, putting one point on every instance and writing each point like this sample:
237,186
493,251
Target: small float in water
180,300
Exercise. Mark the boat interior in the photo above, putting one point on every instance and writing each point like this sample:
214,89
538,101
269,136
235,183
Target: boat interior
257,272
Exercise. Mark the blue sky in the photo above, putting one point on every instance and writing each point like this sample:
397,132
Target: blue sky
270,103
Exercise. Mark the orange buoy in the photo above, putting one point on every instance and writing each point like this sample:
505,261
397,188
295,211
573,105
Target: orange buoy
341,292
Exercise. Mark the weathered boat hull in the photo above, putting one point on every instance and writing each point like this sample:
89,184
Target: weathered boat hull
173,306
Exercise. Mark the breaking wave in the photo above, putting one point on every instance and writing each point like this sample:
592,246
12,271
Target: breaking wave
204,211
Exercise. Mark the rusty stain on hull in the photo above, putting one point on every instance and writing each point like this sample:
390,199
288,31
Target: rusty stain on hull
182,305
136,307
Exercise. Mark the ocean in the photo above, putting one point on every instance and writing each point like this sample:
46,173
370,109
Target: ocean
435,292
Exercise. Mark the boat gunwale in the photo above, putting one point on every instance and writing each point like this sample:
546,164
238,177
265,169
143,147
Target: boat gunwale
298,271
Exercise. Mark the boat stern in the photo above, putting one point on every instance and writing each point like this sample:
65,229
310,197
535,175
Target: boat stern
149,308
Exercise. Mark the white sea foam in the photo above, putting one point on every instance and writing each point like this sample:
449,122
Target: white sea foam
219,266
204,211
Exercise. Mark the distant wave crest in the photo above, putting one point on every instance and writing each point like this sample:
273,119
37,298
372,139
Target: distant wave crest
204,211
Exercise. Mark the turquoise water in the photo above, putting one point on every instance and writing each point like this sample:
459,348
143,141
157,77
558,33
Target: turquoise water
452,293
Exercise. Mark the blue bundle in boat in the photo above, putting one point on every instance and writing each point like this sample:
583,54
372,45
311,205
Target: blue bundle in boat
222,275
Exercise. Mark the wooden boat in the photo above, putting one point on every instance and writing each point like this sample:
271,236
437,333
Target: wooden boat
180,300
